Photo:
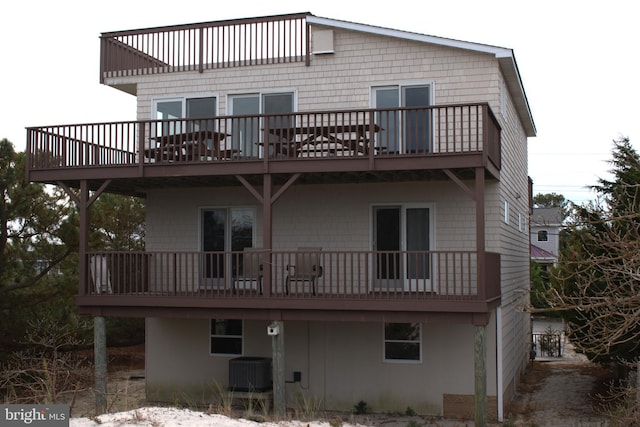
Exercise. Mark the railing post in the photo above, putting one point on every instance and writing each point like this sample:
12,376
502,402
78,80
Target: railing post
103,54
486,145
200,50
481,260
265,144
29,156
372,138
141,139
308,42
83,245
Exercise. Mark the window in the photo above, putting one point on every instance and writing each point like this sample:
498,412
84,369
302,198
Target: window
519,221
190,108
543,236
402,342
506,212
246,130
226,337
406,131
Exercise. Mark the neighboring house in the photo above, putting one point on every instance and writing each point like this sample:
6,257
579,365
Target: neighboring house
545,226
376,174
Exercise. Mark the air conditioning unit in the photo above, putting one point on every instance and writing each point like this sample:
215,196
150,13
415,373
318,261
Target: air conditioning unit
250,374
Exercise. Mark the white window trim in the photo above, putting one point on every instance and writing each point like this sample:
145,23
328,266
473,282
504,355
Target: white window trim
227,232
507,212
401,361
260,94
183,100
403,228
212,335
400,85
519,221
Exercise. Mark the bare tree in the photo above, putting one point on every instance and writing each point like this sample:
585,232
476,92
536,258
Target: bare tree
596,286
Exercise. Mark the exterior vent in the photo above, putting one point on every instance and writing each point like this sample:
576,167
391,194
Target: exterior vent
250,374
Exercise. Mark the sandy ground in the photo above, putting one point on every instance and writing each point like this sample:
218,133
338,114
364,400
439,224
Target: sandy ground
560,392
555,393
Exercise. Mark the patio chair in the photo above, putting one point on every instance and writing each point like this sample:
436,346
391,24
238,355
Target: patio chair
307,268
249,276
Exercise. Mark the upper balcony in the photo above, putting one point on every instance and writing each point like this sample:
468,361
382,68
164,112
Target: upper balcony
204,46
135,154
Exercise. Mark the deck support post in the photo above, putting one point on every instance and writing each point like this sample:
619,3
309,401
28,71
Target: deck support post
84,201
100,362
276,330
480,368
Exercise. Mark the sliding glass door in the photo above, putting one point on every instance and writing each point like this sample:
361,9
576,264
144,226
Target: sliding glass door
245,135
403,131
401,240
224,230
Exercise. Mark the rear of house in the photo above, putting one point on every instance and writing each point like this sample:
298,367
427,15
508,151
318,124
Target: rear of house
345,201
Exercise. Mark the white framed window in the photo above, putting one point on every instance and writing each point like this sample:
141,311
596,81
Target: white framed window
196,107
245,132
402,236
519,221
506,212
407,131
224,230
402,342
543,236
226,337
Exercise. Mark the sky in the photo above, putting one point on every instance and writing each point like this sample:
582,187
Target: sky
578,59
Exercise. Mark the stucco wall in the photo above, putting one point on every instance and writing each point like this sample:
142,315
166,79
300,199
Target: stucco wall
341,364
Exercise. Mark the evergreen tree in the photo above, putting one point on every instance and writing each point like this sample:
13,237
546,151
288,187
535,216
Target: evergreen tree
38,237
597,284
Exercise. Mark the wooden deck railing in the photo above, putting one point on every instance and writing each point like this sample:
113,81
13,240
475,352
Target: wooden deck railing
197,47
326,274
426,131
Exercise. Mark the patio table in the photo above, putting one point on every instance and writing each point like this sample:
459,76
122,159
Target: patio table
324,139
195,145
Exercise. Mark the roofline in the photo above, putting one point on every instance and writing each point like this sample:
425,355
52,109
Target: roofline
499,52
504,55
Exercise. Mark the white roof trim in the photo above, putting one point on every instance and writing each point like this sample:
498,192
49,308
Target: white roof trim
499,52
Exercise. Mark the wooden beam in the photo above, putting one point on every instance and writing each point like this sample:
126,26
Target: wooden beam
69,192
460,183
276,330
267,233
251,188
285,187
480,368
100,190
100,363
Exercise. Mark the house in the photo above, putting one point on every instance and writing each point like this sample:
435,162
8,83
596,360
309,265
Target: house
545,225
340,200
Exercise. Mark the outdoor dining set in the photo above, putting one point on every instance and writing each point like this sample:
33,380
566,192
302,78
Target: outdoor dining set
287,142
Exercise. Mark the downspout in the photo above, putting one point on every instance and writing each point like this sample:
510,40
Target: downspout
499,363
